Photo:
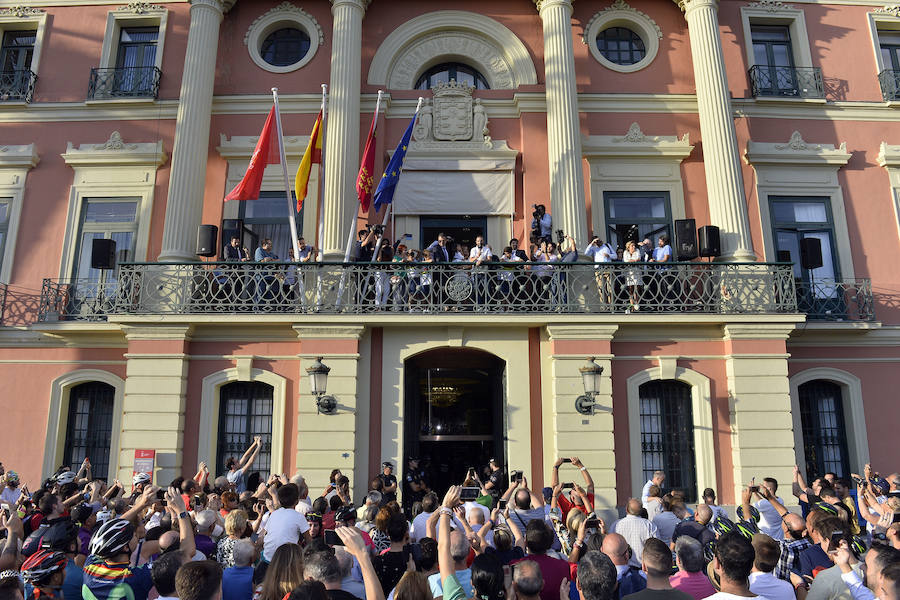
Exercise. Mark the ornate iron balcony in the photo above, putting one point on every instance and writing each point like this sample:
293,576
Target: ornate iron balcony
17,86
124,82
830,300
436,288
890,84
787,82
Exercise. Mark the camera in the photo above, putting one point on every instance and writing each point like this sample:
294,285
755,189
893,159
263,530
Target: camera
379,229
539,211
516,475
560,236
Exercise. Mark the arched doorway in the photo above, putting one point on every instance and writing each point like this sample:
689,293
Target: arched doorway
454,413
89,427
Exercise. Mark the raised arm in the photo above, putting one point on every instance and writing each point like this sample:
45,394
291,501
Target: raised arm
537,501
249,457
431,524
14,533
355,545
445,560
768,495
864,511
514,529
554,478
588,481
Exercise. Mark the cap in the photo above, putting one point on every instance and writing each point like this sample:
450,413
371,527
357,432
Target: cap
387,464
411,458
345,513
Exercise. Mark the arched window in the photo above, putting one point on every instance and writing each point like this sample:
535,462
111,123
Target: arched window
459,72
245,411
824,433
667,434
285,46
89,427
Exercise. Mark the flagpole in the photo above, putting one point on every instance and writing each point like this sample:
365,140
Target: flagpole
387,210
292,207
321,234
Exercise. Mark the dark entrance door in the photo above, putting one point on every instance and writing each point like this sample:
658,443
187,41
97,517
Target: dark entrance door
463,230
453,416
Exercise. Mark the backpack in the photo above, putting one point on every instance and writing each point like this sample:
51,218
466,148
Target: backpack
632,581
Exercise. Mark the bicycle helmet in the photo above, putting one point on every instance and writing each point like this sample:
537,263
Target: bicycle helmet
313,517
825,507
857,545
141,478
709,550
746,529
111,538
104,515
345,514
754,514
40,566
12,477
723,525
60,536
65,477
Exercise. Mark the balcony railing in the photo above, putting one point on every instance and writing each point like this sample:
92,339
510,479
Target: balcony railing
890,84
124,82
17,85
787,82
501,288
830,300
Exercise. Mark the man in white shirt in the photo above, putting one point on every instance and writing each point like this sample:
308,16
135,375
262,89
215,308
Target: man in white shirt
285,525
635,529
762,580
733,564
657,480
602,252
769,517
480,252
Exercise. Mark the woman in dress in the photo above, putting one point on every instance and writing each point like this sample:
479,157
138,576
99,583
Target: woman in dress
634,276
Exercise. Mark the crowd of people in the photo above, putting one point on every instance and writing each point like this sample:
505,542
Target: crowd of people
491,538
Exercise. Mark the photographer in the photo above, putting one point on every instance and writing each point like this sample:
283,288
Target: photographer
602,252
541,225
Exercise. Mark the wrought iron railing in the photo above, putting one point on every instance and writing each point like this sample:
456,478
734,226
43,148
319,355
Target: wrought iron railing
789,82
124,82
830,300
335,288
889,80
17,85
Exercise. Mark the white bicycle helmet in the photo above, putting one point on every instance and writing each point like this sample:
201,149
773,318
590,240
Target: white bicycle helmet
141,478
111,538
65,477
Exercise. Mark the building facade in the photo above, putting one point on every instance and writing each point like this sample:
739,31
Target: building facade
775,122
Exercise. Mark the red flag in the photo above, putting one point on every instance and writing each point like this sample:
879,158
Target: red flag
365,180
265,153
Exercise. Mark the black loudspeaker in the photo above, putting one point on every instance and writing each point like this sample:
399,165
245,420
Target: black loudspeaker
685,239
710,246
207,235
784,256
103,254
810,253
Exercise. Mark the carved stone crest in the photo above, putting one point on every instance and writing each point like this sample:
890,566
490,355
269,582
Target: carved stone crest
20,11
453,116
115,142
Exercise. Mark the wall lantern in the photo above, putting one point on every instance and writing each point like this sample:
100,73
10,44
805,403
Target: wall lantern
590,377
318,382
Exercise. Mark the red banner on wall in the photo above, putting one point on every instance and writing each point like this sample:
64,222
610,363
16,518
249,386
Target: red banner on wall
144,461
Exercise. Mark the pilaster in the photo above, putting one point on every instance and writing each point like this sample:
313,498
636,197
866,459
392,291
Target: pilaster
187,181
759,399
342,127
567,199
590,437
326,442
155,398
721,160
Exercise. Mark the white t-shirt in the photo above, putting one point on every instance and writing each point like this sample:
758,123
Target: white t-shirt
769,519
470,506
484,253
766,584
420,526
727,596
303,507
10,495
285,526
236,477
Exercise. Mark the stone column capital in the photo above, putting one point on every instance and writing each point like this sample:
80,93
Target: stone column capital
542,4
219,6
690,5
360,4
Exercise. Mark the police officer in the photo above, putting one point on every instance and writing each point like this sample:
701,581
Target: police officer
497,482
414,483
388,482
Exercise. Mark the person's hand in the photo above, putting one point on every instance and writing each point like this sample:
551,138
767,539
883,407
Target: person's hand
564,589
576,462
797,581
261,489
283,479
796,470
581,531
558,462
174,499
525,483
117,483
745,494
148,496
353,542
94,487
257,439
867,471
460,512
451,498
495,514
841,557
86,462
214,503
13,524
580,490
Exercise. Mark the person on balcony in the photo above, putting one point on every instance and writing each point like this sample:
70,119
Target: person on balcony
480,254
634,276
265,280
602,253
234,252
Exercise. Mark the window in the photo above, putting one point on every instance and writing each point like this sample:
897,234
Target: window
16,54
667,434
89,427
458,72
135,73
774,61
5,205
245,411
824,433
621,46
285,46
267,217
889,42
636,215
105,218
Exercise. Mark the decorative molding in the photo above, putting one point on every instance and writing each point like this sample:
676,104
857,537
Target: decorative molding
20,11
770,5
115,142
796,151
23,155
141,8
489,46
893,10
637,144
274,19
115,152
242,146
620,13
451,118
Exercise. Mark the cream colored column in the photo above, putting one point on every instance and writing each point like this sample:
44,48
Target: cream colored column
589,437
567,198
155,398
342,130
326,442
187,181
721,160
759,397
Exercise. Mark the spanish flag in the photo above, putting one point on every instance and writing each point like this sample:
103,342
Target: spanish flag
313,155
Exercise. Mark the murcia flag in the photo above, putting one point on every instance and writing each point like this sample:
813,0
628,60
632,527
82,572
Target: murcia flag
365,180
265,153
313,155
388,184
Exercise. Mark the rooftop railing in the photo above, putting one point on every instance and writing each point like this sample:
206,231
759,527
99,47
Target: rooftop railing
787,82
124,82
369,288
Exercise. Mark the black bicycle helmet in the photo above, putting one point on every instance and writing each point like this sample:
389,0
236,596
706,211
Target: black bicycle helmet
754,514
723,525
111,538
40,566
60,536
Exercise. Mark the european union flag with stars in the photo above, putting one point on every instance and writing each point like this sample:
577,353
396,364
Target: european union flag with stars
385,192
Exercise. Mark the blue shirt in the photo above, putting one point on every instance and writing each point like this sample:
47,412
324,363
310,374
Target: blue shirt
71,587
261,254
237,583
662,252
104,580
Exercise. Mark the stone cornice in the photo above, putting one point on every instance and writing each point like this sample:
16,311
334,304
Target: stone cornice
796,151
353,332
581,332
638,145
542,4
23,155
115,152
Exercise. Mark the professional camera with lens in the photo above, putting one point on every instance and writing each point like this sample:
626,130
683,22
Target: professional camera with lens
379,229
560,236
539,211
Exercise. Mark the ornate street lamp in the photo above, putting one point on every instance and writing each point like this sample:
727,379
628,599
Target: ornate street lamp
590,377
318,382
